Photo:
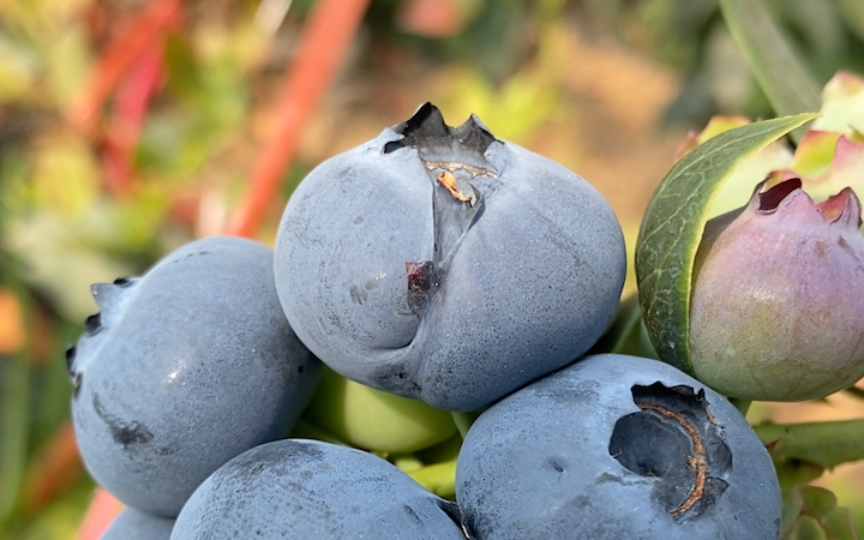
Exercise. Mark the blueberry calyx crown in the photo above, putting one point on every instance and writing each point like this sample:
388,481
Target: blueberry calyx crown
444,147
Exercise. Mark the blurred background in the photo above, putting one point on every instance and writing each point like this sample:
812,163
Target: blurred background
129,127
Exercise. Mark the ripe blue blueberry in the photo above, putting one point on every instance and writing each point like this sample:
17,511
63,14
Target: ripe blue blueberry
133,524
183,369
297,489
616,447
444,264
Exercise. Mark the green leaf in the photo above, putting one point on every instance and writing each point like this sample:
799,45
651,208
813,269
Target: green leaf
14,424
439,478
794,473
812,512
853,14
826,444
782,76
672,229
463,420
626,334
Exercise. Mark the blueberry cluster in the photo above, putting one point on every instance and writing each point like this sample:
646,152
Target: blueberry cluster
443,270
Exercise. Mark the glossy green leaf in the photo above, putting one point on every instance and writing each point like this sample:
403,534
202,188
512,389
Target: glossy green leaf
672,229
780,73
826,444
811,512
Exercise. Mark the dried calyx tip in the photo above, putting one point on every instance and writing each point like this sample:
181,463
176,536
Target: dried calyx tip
844,206
93,323
70,358
426,130
770,199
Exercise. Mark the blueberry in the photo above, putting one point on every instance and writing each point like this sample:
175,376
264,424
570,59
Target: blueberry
298,489
133,524
616,447
444,264
183,369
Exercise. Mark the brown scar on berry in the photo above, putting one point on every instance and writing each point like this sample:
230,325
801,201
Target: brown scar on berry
697,462
712,418
447,180
453,166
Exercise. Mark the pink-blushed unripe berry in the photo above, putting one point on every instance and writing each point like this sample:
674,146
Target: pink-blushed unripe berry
777,305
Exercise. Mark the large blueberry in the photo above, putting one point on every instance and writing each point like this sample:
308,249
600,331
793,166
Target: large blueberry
133,524
616,447
183,369
444,264
297,489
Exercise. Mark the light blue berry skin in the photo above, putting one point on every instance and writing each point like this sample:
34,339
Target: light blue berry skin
539,464
184,369
297,489
133,524
395,283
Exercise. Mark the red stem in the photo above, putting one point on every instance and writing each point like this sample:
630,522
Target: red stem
56,468
327,34
101,512
123,131
157,17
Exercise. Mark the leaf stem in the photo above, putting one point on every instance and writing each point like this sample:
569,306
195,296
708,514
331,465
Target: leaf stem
826,444
119,56
790,88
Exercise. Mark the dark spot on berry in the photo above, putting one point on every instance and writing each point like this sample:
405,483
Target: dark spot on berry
556,465
421,281
123,432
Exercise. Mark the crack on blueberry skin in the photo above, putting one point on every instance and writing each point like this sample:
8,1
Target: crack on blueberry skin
456,516
677,439
452,158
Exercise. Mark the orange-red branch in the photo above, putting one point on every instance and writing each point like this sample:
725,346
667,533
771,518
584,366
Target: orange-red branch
117,58
327,34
